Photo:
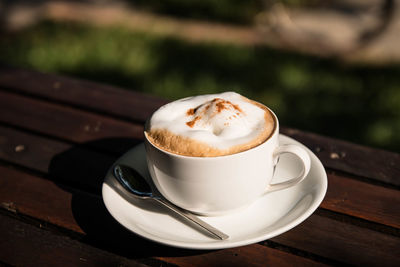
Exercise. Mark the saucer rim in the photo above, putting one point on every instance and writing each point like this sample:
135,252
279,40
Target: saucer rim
213,244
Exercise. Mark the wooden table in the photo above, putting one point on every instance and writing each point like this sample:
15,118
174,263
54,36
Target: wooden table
58,137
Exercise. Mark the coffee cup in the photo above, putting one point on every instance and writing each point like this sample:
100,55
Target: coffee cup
217,185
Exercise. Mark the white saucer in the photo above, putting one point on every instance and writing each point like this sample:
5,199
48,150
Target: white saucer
271,215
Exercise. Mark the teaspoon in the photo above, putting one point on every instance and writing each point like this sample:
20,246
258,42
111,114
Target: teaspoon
135,183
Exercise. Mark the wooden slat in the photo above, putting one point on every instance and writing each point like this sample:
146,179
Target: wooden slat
29,150
39,198
30,195
70,164
346,242
104,98
355,159
86,168
362,200
251,255
64,122
22,244
22,193
336,154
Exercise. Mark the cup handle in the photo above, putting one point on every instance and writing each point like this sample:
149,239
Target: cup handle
302,155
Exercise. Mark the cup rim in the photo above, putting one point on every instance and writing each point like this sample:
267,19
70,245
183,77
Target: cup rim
270,137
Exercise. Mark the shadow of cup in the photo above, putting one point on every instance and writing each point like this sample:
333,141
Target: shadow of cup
81,170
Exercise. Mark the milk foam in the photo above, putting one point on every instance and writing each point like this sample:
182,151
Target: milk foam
221,121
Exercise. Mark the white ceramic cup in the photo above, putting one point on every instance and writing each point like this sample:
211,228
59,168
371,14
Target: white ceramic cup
219,185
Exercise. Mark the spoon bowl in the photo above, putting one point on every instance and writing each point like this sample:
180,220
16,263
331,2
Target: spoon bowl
132,181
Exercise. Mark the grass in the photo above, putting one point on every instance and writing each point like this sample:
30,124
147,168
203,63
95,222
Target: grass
356,103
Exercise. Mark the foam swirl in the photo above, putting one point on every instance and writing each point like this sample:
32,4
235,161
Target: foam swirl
210,125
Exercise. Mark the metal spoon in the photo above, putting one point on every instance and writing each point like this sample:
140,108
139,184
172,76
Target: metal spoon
135,183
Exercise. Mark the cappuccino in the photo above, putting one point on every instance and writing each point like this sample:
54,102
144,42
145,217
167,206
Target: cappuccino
210,125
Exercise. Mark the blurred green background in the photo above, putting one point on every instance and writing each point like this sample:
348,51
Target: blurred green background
354,102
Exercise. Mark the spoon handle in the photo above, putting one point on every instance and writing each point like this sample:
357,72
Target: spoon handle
212,230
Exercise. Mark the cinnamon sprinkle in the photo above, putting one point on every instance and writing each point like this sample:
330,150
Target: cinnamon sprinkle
225,104
192,122
190,112
236,107
221,104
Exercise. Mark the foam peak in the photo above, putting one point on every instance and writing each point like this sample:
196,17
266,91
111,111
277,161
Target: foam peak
219,121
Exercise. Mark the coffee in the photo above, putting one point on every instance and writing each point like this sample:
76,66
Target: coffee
210,125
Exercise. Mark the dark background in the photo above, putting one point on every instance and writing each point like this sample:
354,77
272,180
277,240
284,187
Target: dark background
329,67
